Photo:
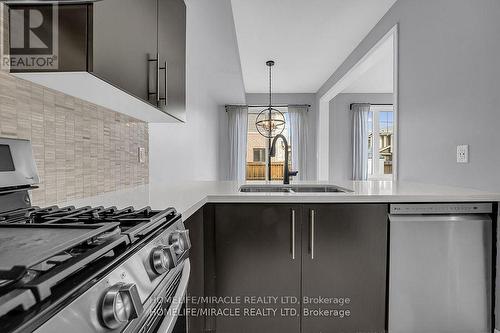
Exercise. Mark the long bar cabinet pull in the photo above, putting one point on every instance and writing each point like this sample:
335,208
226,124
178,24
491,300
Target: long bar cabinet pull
293,234
165,96
313,213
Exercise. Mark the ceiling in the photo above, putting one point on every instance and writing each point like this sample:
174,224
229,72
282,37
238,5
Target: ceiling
308,39
378,78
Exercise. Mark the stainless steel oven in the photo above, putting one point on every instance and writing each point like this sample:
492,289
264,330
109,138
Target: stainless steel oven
85,269
142,294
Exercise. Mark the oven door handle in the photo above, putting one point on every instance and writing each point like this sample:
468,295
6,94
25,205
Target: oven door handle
169,320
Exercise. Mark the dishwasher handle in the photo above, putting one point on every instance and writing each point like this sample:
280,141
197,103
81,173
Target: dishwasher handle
440,218
441,208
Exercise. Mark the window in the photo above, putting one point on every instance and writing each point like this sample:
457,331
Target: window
259,155
380,149
257,150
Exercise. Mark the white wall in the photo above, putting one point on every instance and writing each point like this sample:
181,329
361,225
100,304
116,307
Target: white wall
296,98
449,79
340,154
197,150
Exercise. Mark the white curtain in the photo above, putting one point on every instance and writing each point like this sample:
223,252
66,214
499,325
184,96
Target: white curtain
298,130
238,125
360,141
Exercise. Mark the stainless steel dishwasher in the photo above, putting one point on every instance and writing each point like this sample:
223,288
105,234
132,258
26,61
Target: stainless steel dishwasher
440,268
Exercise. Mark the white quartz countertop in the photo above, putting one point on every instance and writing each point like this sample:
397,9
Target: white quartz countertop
188,197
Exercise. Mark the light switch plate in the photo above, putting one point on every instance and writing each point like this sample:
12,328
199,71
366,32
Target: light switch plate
463,154
141,155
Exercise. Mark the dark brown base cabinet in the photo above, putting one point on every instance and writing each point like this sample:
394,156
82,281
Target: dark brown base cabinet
253,257
344,256
196,288
331,258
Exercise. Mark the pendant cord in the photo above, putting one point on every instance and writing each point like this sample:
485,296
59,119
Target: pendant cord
270,85
270,100
270,127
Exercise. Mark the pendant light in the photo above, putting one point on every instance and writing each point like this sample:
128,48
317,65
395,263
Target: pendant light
270,121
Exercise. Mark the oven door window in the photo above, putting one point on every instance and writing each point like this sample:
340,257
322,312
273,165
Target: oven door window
6,162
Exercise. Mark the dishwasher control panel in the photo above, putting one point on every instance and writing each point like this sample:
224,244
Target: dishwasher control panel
444,208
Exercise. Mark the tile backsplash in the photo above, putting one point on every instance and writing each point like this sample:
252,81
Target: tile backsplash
80,149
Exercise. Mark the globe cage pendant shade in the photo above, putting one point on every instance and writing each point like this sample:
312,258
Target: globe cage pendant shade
270,121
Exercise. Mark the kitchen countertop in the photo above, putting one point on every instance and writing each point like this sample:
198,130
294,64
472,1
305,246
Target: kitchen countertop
188,197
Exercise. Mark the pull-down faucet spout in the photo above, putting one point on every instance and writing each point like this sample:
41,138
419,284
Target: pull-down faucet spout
272,153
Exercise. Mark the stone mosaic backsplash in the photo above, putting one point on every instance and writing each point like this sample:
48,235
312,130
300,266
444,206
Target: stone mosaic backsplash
80,149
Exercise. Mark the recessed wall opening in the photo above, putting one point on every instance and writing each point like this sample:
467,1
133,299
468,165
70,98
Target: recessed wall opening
357,129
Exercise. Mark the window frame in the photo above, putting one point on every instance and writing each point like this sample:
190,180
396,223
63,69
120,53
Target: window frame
252,129
375,110
261,153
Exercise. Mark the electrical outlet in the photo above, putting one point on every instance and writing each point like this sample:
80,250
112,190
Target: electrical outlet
141,154
463,154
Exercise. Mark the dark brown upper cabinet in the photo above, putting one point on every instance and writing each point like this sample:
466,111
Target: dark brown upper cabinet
138,46
172,55
124,33
44,38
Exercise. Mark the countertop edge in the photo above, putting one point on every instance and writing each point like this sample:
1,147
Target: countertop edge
311,199
188,198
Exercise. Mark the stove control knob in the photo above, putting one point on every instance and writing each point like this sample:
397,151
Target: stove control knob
180,241
120,303
163,259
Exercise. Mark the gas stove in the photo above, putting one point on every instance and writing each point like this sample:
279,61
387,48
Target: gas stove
133,223
86,269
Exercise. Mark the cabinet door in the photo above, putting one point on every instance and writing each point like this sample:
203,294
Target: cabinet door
195,288
254,258
344,255
124,34
172,50
72,36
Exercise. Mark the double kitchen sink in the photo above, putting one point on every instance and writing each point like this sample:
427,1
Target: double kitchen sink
278,188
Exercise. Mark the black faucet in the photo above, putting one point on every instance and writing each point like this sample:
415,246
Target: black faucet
286,173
